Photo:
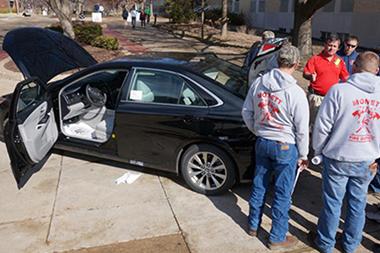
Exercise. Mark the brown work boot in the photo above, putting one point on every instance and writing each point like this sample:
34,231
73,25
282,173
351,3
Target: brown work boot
289,242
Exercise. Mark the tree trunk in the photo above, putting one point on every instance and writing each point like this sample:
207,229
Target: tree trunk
63,9
17,7
302,30
224,19
302,36
67,26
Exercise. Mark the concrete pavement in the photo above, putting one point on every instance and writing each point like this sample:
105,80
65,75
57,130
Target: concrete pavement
74,205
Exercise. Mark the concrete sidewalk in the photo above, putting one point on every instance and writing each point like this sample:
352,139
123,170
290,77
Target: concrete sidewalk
74,205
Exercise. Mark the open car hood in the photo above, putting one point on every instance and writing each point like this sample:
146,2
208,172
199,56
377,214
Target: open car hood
44,53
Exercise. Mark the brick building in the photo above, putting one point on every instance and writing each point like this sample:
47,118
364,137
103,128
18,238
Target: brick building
359,17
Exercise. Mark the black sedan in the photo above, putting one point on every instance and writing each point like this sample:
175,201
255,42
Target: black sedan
178,115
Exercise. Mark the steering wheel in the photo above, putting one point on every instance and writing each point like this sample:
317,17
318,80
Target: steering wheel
95,96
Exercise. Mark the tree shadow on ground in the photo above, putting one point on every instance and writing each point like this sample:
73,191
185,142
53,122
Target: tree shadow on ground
306,199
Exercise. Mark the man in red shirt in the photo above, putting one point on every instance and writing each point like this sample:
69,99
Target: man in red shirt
323,71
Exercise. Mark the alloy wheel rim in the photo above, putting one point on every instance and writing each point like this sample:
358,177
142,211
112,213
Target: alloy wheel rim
207,170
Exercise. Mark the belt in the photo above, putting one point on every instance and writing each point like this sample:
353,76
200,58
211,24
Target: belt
312,91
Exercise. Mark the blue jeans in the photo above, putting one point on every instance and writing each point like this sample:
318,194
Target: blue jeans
340,179
281,160
375,183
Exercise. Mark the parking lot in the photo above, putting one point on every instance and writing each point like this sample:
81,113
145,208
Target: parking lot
74,205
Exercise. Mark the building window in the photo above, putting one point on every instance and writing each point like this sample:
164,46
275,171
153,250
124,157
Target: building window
261,5
253,6
330,7
284,5
347,6
236,6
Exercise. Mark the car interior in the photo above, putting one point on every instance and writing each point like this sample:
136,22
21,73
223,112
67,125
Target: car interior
160,87
87,106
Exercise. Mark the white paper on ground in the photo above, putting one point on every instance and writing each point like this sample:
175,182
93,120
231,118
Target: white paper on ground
128,178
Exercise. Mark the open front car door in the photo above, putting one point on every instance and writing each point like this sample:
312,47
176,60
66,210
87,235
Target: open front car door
31,130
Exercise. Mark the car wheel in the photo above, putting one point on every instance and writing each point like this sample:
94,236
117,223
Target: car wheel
207,169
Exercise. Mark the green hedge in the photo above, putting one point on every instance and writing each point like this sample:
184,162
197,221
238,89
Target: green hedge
233,18
179,11
86,32
107,42
55,27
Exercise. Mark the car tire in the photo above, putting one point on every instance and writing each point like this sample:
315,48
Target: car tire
207,169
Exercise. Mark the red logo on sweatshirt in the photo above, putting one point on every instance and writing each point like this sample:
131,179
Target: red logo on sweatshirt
269,108
365,112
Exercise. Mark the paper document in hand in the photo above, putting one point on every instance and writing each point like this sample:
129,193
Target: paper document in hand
128,178
299,169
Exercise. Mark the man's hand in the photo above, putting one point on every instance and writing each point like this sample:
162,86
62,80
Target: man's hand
373,168
302,164
313,77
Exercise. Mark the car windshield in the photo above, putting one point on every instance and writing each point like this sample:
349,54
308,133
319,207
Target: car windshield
227,74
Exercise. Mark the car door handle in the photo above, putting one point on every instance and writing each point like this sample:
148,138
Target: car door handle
43,120
187,119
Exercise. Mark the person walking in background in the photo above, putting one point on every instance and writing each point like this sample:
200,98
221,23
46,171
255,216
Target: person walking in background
347,134
348,52
323,71
255,48
142,18
133,13
374,186
125,16
148,13
277,112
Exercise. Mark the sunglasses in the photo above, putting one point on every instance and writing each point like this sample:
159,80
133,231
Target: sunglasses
350,45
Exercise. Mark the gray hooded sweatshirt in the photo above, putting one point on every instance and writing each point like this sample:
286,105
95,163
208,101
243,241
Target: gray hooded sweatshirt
276,108
347,127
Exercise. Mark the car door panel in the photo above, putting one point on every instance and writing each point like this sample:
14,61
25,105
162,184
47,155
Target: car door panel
152,135
31,131
37,132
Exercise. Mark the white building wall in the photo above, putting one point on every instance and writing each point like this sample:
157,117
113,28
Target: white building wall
365,25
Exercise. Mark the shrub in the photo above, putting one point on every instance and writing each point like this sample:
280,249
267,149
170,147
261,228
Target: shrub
86,32
233,18
179,11
6,10
55,27
236,19
107,42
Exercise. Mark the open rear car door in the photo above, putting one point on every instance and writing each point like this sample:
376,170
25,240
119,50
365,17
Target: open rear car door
31,130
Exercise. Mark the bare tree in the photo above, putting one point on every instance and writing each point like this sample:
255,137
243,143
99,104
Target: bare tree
224,19
64,11
302,33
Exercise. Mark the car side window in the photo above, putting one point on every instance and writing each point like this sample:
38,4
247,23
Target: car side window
151,86
28,95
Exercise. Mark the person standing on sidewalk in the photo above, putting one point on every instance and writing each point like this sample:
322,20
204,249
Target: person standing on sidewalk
142,18
374,186
133,16
277,112
323,71
148,12
125,16
348,52
347,134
